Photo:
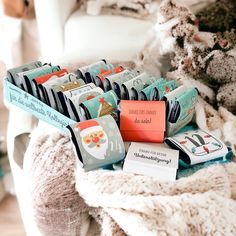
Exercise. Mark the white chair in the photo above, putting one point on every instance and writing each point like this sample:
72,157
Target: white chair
75,36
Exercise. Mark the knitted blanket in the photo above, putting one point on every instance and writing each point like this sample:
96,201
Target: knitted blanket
66,200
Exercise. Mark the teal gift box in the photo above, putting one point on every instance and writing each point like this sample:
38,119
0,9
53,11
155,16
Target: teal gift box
29,103
108,149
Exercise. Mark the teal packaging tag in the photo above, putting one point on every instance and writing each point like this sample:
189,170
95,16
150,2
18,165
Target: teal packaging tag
145,93
29,103
65,88
160,90
118,79
131,88
173,128
91,71
74,102
171,97
12,73
94,71
136,84
48,86
77,91
65,96
197,146
30,75
41,71
183,105
110,79
145,81
94,66
97,142
104,104
182,111
20,77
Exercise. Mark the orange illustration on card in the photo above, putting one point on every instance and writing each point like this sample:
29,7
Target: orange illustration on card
142,121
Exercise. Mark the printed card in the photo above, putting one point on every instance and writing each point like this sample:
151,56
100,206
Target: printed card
110,79
73,108
104,104
145,94
42,79
97,142
12,73
30,75
136,85
160,90
100,78
197,146
152,160
181,111
142,121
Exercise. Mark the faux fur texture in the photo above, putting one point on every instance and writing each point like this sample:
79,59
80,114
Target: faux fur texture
66,199
123,203
200,59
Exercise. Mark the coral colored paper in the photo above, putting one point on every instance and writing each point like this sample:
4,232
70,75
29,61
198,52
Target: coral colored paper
44,78
142,121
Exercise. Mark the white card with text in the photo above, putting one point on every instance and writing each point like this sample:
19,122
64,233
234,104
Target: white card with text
152,159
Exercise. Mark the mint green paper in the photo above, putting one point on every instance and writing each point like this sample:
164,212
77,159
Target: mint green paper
99,105
187,102
148,90
164,88
95,71
34,74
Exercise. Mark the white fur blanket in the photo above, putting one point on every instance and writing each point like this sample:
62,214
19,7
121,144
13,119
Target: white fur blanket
65,198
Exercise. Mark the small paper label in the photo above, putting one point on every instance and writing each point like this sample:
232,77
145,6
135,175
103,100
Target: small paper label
154,154
152,160
142,120
98,142
148,90
104,104
199,146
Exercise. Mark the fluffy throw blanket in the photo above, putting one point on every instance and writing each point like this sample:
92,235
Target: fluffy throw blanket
66,200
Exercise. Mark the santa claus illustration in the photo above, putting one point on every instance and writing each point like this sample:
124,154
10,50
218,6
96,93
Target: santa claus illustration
94,139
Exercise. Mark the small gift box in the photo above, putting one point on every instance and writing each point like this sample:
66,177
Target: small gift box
142,121
12,73
197,146
104,104
97,142
152,159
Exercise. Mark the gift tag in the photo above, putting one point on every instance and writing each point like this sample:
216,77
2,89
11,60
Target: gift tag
124,77
110,79
130,89
104,104
97,142
42,79
65,88
160,90
142,121
12,73
152,159
145,94
30,75
53,83
100,78
74,108
197,146
88,73
66,96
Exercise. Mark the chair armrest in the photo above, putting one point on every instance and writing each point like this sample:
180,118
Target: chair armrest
51,17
